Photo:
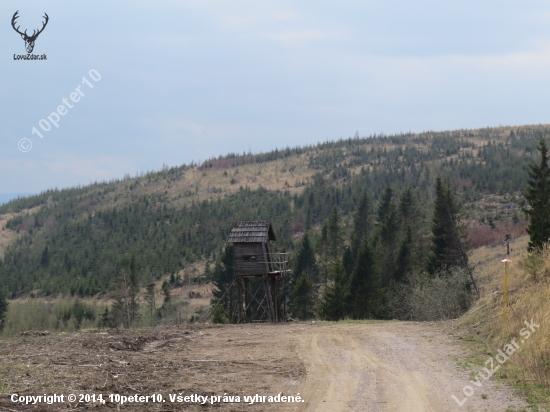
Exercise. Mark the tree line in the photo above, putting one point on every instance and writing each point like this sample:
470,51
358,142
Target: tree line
357,243
335,278
79,239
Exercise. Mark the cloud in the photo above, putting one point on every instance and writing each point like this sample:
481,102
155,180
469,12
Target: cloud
45,171
284,15
188,79
291,36
92,168
18,164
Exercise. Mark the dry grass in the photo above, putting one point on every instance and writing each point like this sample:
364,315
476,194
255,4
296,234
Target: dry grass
489,270
7,236
205,183
530,303
528,299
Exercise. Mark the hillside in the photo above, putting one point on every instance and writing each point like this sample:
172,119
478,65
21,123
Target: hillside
74,240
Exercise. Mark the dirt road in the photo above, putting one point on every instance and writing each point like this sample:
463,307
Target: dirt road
391,366
386,366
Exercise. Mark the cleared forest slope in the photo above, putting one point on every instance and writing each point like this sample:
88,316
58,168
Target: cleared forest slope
74,240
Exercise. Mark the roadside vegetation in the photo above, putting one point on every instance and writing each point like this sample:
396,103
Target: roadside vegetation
484,329
489,327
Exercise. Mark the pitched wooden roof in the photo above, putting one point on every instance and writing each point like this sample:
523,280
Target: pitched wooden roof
251,232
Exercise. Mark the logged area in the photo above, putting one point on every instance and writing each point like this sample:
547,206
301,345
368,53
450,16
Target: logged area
382,366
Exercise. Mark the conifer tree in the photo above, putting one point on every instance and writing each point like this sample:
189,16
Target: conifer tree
538,197
411,219
388,236
409,208
348,261
385,202
219,315
365,287
167,296
45,259
322,248
302,298
305,261
361,225
81,311
334,235
335,296
404,264
446,250
307,225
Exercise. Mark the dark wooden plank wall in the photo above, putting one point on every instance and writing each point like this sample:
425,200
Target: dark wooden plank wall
249,259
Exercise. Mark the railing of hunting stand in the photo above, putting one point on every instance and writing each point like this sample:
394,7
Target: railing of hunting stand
279,263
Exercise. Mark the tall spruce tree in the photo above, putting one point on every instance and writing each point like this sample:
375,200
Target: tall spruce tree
538,197
447,250
303,297
416,246
334,235
361,224
305,261
365,287
404,261
348,260
408,208
322,247
45,259
385,202
387,243
335,295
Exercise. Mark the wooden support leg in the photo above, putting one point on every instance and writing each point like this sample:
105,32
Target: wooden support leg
269,299
240,300
248,313
274,291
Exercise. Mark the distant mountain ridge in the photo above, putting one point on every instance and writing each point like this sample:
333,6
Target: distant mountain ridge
76,240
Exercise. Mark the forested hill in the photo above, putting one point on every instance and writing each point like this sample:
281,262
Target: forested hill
75,240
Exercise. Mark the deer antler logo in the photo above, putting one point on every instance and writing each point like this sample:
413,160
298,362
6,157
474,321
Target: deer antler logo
29,40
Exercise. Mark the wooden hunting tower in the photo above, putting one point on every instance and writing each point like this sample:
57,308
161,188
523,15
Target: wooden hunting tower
253,259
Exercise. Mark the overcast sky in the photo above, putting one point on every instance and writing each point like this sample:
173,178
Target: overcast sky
190,79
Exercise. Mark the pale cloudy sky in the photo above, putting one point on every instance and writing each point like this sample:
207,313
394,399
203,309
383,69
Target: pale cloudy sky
190,79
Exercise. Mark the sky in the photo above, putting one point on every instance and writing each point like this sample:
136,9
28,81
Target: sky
170,82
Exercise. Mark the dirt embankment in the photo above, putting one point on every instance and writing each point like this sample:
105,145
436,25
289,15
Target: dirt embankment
386,366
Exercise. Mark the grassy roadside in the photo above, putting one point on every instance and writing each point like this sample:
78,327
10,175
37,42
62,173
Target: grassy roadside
525,366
